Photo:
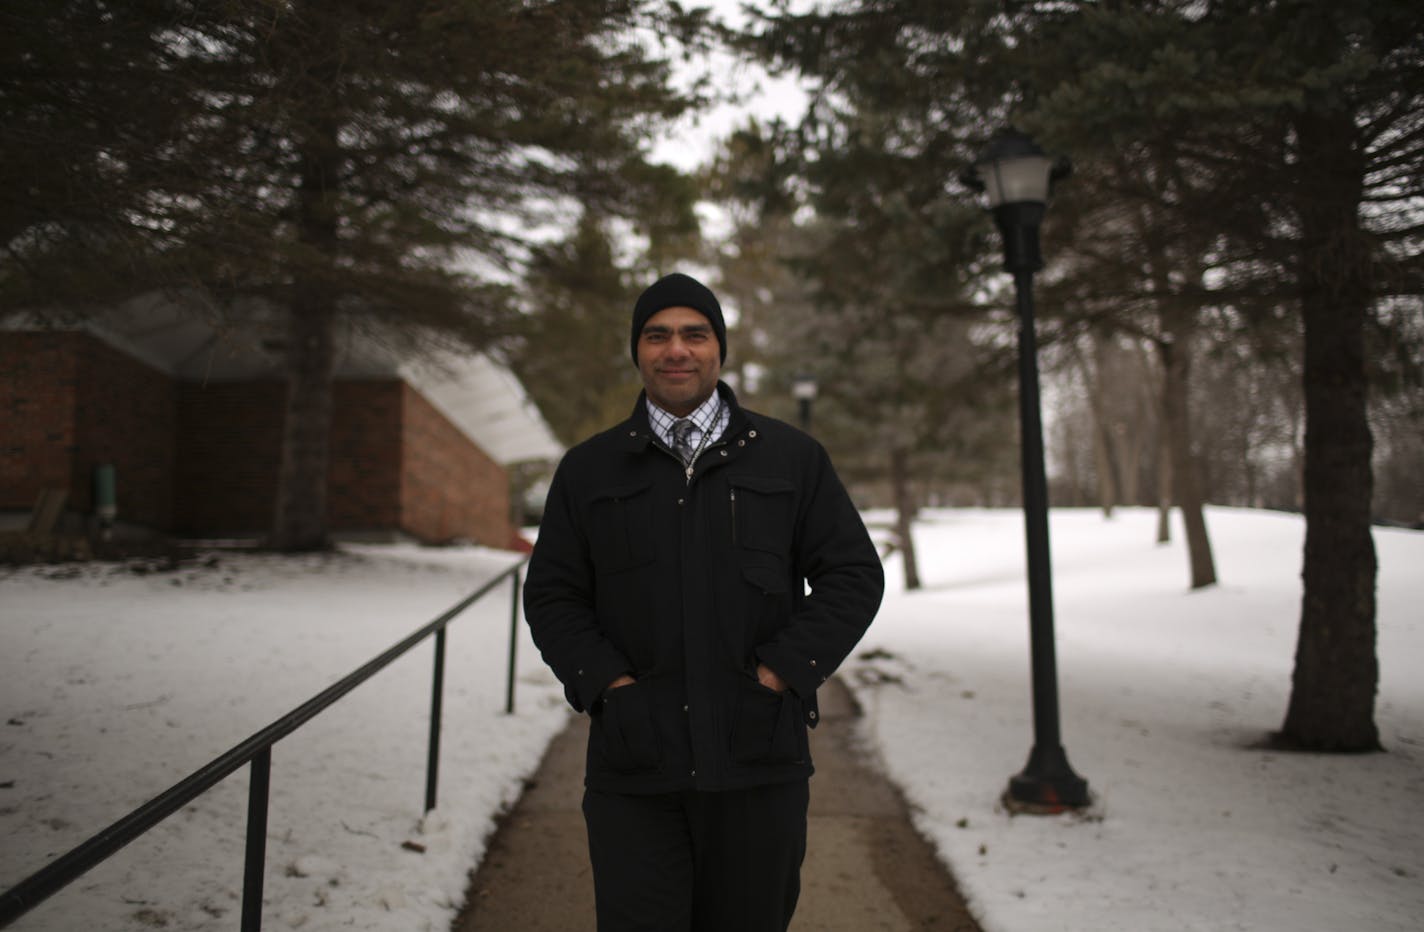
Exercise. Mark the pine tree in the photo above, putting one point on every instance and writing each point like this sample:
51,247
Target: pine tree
91,96
1283,140
1296,129
877,309
570,348
382,165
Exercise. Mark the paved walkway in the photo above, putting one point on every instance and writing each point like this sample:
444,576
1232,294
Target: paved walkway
866,870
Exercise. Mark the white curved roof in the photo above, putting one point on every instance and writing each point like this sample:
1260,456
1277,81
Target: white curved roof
488,403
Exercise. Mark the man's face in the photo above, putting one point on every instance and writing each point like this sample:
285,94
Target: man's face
679,359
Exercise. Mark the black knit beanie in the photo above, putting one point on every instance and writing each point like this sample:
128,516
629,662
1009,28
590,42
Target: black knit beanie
678,290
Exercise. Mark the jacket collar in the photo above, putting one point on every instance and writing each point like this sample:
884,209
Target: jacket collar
638,433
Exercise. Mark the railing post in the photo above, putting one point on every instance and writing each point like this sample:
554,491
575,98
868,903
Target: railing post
437,690
255,866
513,640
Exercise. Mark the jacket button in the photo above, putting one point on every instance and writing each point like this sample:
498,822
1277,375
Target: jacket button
694,773
751,433
724,452
811,715
741,443
813,663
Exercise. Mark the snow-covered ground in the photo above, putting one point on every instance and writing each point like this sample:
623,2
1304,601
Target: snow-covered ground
1164,692
114,685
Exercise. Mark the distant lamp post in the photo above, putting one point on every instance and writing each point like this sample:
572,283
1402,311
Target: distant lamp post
1016,177
804,389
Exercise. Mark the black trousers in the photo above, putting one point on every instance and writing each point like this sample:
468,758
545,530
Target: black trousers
697,862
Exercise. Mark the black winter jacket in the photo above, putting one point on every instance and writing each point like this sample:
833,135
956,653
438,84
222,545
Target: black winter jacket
686,585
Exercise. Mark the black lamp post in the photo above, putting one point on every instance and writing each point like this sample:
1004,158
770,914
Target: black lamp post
803,389
1016,176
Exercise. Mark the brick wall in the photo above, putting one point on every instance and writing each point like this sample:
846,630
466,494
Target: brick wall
363,492
229,451
449,487
38,394
202,459
127,416
69,402
396,464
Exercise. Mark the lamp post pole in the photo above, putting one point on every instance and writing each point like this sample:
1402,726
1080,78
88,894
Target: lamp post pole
1017,176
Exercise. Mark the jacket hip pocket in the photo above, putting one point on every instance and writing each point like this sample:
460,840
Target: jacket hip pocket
624,728
766,727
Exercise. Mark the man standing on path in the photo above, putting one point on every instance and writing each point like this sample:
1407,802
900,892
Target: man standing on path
667,591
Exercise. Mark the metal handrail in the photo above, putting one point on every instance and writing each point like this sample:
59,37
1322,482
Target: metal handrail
257,750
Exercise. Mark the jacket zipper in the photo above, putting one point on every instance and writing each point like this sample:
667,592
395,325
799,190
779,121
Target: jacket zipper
689,470
734,515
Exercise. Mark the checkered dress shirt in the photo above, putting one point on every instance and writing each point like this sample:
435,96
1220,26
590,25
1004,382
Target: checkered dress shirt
702,421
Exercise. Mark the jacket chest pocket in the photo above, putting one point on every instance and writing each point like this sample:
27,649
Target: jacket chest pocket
763,513
619,528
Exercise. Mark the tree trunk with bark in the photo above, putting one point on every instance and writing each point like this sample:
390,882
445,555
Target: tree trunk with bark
1186,486
1097,377
1153,400
904,515
1164,486
300,522
301,519
1336,671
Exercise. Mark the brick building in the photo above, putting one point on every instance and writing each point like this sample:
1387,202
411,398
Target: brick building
190,420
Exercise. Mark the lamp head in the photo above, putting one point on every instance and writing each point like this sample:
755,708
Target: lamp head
1013,170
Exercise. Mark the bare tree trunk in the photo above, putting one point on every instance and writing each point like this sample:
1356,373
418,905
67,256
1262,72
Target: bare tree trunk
1249,470
1153,401
1140,433
1186,487
1102,457
300,522
1336,670
1130,445
1110,379
904,515
1164,485
1104,469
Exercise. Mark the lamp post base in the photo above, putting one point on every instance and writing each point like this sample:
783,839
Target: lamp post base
1047,784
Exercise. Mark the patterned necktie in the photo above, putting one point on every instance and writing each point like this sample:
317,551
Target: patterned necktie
682,438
